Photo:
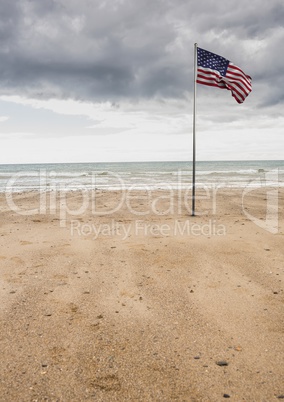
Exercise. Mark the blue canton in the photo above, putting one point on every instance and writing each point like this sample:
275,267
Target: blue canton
207,59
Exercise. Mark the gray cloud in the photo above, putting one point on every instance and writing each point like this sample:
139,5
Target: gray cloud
115,49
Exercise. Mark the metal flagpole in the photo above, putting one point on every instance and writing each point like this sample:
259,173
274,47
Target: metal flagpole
194,118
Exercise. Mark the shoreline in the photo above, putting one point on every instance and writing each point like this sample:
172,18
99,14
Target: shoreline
134,188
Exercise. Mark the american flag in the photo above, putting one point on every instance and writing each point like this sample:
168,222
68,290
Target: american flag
216,71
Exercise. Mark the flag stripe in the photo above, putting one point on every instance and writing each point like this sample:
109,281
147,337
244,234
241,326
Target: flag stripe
237,92
244,84
243,87
239,78
208,76
238,73
239,87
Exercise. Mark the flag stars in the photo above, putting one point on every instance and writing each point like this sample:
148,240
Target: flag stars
210,60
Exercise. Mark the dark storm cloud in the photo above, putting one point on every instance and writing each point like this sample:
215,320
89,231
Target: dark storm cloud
117,49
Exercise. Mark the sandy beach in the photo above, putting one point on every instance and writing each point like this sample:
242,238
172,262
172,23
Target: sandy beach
107,297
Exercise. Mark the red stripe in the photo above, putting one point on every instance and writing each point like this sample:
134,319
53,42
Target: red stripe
234,78
245,78
236,88
237,80
207,76
209,84
237,94
208,72
232,66
237,75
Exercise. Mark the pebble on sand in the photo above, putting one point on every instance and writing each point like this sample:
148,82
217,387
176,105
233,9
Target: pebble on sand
222,363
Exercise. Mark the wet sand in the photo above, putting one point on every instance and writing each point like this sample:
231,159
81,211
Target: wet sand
133,299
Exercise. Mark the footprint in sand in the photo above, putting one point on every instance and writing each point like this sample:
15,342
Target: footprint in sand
57,353
73,312
17,260
106,383
127,293
73,307
60,276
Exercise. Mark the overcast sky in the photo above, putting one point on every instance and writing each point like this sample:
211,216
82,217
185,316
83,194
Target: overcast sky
112,80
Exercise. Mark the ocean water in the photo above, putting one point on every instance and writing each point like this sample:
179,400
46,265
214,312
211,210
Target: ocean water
139,175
